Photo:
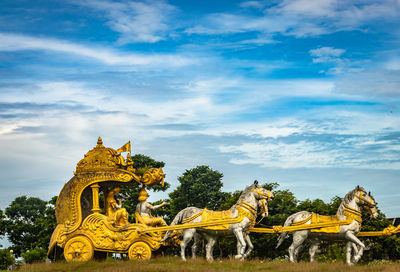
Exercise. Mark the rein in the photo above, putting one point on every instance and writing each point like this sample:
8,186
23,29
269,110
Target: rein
264,210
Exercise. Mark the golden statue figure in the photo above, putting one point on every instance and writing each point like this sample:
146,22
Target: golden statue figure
114,210
143,211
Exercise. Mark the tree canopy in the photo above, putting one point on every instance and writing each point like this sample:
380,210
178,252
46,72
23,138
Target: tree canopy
199,187
30,222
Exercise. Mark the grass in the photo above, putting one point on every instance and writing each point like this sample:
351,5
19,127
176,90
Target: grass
175,264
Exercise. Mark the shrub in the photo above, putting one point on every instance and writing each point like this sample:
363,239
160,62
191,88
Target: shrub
35,255
6,259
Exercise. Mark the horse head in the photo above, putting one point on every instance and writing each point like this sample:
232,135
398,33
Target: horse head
366,200
260,192
262,195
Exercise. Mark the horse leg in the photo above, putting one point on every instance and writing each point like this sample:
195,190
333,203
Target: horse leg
249,245
313,249
358,256
355,248
187,236
195,244
352,238
209,248
298,238
241,243
297,251
348,252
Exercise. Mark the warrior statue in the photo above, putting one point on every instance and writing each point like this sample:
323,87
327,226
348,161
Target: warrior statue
143,211
114,210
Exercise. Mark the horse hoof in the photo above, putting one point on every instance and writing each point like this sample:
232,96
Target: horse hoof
238,257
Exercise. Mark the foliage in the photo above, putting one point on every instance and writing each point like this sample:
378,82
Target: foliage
35,255
2,223
380,247
6,259
199,187
29,223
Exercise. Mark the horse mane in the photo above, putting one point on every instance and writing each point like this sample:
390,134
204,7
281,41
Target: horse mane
244,194
348,198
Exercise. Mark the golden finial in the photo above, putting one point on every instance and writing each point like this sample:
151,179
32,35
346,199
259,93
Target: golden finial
99,141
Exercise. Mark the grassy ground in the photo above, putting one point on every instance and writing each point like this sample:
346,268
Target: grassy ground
175,264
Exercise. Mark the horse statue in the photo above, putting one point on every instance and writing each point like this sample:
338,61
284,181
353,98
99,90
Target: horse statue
239,218
349,210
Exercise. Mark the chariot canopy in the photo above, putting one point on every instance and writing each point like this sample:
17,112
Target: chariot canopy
101,169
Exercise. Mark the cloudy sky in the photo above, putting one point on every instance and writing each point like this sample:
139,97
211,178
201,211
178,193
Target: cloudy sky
304,93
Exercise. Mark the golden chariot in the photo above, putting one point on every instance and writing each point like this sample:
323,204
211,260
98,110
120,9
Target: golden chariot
83,231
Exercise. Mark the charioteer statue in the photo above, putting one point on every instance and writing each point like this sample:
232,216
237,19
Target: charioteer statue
143,211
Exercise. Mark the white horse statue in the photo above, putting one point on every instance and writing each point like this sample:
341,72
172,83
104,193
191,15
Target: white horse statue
240,216
349,209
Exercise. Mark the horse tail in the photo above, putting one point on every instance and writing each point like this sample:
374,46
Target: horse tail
178,219
283,235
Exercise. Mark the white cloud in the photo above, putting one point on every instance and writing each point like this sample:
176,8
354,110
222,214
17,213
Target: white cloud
252,4
309,8
307,155
374,83
299,18
280,155
15,42
145,21
326,54
223,23
393,64
331,139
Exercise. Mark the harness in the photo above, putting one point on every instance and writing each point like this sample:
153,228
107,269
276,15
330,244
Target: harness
262,194
244,209
366,202
351,213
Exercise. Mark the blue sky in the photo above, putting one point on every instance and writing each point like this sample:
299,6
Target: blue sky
304,93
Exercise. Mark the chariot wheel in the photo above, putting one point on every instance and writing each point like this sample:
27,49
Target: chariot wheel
78,249
139,251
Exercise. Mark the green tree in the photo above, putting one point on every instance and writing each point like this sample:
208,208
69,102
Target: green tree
199,187
2,223
380,247
29,223
129,194
6,259
35,255
47,224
